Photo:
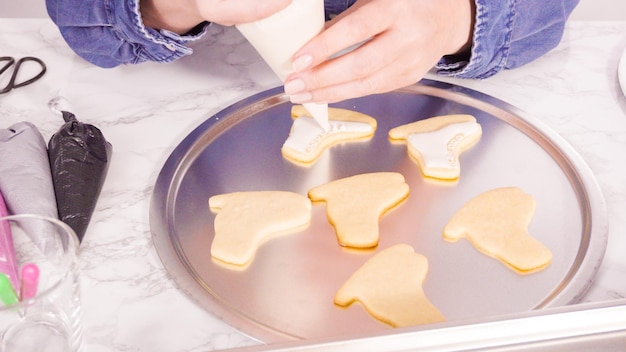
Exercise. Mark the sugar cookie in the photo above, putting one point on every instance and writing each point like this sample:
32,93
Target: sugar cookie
245,220
436,143
307,140
389,286
355,204
496,223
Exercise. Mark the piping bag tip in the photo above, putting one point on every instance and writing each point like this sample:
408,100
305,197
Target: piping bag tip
68,116
319,112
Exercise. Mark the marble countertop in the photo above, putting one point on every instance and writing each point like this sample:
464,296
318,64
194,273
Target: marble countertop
129,301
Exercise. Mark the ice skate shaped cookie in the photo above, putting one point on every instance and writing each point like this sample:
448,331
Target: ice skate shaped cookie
436,143
307,140
496,223
389,286
354,205
245,220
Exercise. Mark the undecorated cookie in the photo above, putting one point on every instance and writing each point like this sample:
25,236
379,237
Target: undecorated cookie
436,143
307,140
355,204
389,286
245,220
496,223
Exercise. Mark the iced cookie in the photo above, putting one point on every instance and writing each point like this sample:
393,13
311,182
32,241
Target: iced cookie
355,204
389,286
307,140
496,223
437,142
245,220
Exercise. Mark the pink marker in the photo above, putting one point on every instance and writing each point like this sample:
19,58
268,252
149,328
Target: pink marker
30,281
8,264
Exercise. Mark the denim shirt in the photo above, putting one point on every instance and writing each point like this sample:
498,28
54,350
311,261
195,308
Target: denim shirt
507,33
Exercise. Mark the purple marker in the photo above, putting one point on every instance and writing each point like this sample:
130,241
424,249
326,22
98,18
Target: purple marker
30,281
8,264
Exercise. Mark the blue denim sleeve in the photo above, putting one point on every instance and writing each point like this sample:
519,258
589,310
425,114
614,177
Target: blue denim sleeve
335,7
109,33
509,34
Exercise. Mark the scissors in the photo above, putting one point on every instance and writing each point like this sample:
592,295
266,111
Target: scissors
10,62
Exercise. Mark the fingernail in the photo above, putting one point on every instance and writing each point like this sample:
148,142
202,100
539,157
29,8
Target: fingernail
294,86
302,63
300,98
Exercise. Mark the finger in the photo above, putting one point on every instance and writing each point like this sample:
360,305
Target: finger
382,81
359,25
231,12
363,62
406,70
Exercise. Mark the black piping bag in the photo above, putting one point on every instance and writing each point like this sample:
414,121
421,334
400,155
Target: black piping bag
79,160
25,179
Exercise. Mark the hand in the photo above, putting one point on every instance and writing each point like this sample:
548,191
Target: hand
180,16
403,40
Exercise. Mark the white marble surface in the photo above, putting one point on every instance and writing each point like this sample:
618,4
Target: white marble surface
129,302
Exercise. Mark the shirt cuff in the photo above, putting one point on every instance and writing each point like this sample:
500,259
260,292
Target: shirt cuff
173,42
491,42
109,33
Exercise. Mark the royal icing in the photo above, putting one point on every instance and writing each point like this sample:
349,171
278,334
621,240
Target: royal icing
439,149
306,134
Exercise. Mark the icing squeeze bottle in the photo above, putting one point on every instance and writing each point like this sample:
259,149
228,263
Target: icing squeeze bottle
279,36
8,263
30,281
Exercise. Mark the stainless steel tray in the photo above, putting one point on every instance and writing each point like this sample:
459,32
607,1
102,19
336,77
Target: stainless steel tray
287,292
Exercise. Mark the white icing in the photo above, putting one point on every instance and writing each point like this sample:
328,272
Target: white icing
306,134
439,148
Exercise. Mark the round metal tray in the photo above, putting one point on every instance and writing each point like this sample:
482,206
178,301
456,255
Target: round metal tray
287,292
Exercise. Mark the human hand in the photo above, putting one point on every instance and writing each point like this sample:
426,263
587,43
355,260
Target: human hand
404,39
180,16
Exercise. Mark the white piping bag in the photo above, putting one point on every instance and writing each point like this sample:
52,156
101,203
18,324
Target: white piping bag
25,178
278,37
